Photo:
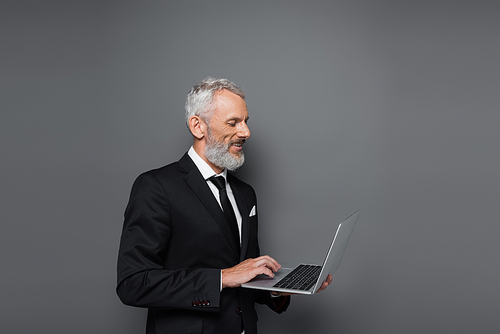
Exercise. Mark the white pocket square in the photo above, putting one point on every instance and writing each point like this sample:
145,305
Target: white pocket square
252,212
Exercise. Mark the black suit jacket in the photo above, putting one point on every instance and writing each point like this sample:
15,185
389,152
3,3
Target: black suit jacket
174,244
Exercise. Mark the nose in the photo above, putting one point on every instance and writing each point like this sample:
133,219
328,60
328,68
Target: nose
243,131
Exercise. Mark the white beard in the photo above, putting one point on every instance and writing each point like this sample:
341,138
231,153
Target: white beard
218,153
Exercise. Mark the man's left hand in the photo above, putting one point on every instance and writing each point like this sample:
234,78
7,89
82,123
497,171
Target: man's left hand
325,283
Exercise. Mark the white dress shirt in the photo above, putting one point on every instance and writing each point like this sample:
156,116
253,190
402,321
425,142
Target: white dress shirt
207,172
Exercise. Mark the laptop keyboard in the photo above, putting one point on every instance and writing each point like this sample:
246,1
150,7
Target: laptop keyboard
301,278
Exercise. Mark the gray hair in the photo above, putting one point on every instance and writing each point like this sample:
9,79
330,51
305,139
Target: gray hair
201,96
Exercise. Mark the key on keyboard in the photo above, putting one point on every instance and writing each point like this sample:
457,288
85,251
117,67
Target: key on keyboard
301,278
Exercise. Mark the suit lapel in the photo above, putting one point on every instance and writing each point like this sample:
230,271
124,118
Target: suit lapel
244,211
199,186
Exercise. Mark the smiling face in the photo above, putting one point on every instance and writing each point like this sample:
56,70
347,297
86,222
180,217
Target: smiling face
227,131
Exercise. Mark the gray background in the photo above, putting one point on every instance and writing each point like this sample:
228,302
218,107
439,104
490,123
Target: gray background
391,107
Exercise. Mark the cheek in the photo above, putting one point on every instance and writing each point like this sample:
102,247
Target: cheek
221,133
227,135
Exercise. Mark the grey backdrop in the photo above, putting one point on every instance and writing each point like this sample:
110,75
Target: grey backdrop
391,107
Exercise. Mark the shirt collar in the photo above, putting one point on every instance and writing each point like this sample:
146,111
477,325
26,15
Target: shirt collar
204,168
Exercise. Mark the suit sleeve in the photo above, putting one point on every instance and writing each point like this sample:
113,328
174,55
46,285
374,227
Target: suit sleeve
142,279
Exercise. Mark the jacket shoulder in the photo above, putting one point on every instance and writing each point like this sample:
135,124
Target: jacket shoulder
171,171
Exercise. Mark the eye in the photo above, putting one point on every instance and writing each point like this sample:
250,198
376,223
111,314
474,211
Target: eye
232,123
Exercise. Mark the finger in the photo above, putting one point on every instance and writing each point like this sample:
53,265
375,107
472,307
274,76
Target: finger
268,261
268,258
263,270
323,286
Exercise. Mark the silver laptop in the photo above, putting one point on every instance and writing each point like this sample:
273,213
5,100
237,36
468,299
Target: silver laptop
307,278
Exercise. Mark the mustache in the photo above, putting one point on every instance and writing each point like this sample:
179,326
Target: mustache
237,141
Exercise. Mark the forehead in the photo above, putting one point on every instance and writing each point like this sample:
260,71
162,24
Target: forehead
229,105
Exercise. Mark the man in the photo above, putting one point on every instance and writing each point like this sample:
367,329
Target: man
189,241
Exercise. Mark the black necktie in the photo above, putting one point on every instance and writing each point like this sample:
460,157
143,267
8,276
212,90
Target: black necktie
220,183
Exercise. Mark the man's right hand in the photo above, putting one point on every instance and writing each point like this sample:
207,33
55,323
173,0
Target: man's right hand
244,271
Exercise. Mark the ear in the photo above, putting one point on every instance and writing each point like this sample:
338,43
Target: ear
197,126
